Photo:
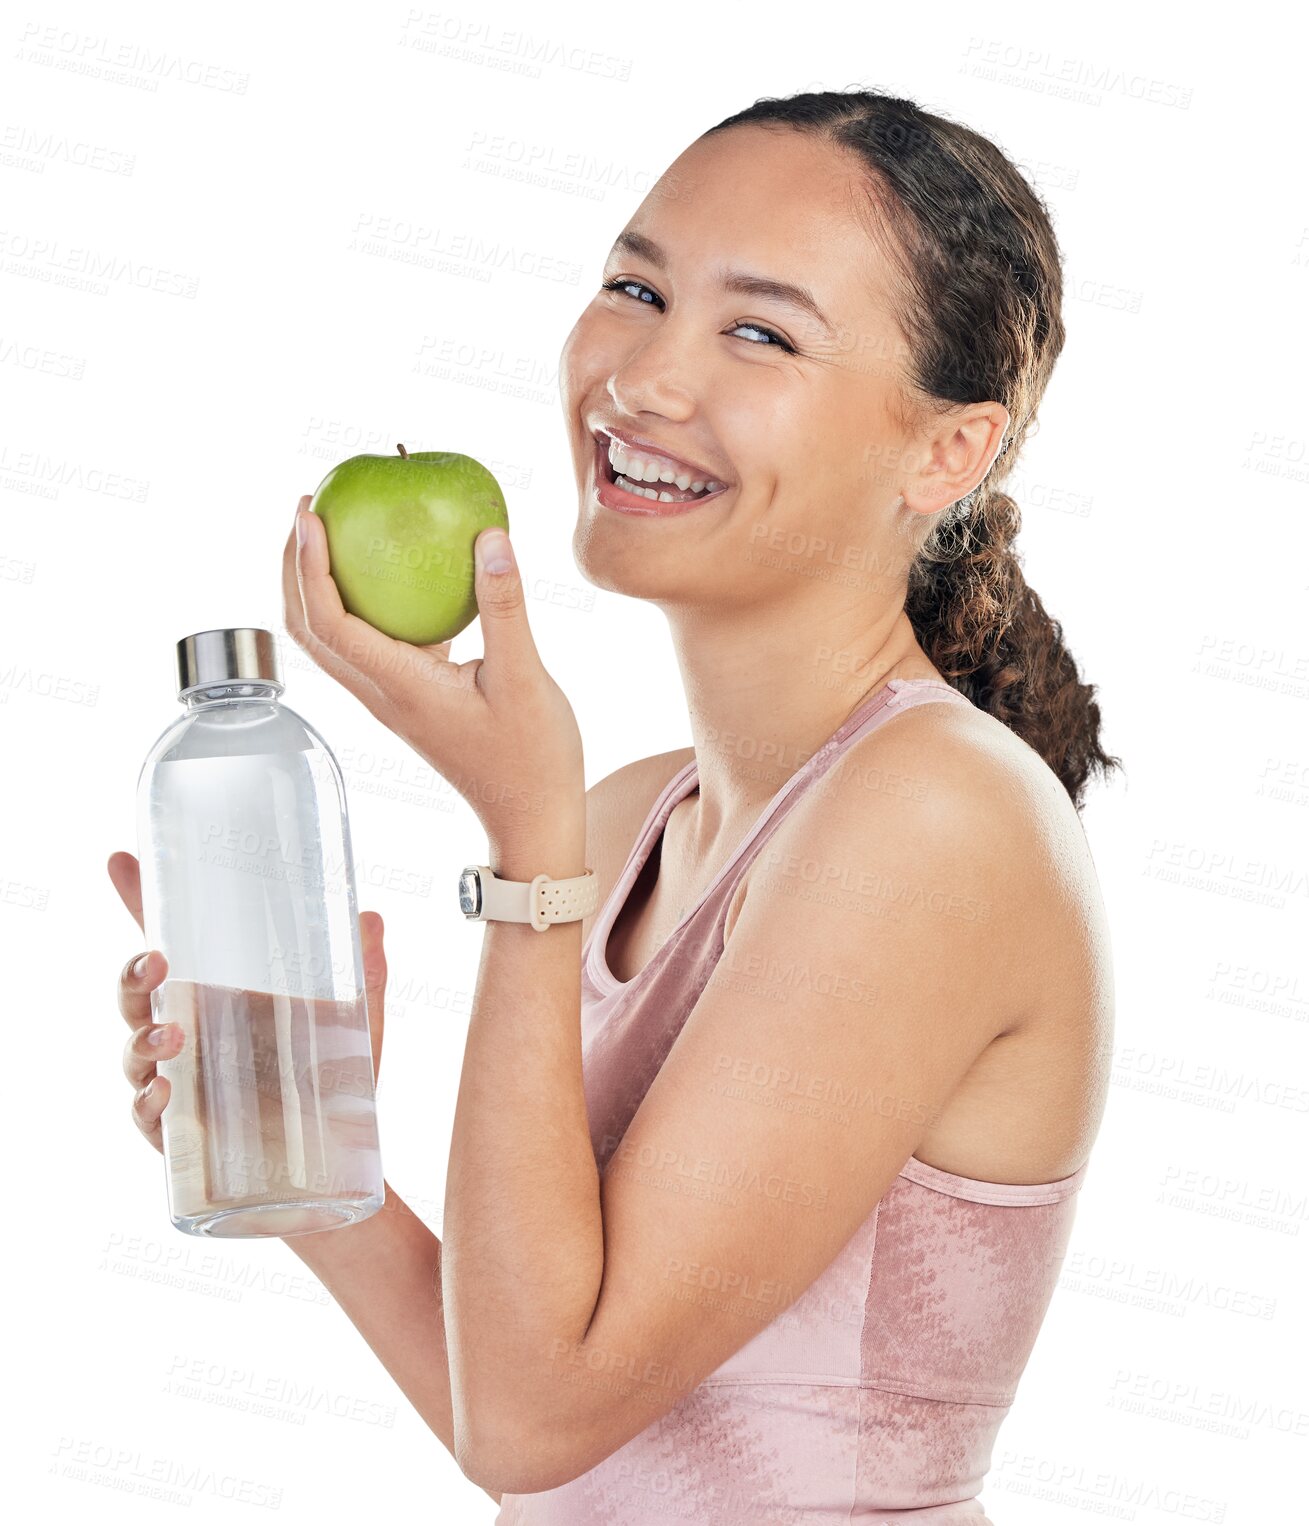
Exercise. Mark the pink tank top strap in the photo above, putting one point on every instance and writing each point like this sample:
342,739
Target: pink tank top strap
895,695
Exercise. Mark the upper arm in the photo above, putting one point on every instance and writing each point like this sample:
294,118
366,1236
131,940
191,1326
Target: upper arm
854,958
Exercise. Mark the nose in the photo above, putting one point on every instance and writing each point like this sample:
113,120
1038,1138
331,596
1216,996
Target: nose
655,378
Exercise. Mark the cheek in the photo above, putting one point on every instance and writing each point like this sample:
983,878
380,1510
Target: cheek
568,364
801,460
589,355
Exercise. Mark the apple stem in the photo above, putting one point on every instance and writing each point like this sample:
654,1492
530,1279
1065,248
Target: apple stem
404,454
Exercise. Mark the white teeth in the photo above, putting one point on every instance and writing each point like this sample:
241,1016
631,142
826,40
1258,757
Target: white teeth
638,469
628,486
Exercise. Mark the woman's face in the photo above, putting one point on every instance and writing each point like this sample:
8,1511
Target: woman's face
792,409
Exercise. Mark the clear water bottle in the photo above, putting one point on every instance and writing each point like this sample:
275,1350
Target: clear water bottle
247,886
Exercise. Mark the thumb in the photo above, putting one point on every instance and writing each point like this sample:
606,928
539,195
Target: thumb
501,606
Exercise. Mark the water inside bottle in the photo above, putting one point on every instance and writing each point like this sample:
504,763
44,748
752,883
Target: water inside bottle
270,1126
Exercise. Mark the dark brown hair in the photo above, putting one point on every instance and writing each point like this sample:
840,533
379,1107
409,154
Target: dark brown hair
979,303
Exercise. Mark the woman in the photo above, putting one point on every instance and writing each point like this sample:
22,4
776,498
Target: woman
757,1197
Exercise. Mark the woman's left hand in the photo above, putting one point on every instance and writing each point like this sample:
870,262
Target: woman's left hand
497,727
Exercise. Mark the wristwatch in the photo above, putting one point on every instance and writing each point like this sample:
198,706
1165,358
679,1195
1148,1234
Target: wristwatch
540,901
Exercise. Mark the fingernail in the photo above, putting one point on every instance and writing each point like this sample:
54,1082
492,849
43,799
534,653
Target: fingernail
495,551
301,528
139,967
147,1089
156,1035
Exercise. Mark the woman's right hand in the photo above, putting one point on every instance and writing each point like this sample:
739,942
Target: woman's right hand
141,1056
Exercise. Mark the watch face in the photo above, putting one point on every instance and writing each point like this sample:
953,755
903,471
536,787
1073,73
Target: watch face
470,893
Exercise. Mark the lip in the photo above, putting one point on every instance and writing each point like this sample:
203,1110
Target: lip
610,496
637,443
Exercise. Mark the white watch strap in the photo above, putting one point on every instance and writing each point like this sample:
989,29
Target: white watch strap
540,901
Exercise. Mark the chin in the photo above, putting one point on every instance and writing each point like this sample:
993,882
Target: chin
614,561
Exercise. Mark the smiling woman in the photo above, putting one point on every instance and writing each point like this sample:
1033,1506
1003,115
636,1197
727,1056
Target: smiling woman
845,1008
762,1173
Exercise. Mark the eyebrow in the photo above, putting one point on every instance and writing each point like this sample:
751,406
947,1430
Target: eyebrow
739,281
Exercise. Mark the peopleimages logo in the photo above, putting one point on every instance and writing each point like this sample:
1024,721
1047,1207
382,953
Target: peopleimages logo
134,63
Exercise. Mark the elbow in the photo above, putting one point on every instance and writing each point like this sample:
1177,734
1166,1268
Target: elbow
518,1470
497,1473
523,1458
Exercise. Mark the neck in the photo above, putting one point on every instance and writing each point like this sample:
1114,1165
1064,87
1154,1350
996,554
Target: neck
762,698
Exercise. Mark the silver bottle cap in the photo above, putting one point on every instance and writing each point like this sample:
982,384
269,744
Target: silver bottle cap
244,654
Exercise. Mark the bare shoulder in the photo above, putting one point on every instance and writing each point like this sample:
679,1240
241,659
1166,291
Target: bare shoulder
956,770
616,807
943,802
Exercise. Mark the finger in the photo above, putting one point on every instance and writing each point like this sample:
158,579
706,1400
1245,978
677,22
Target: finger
371,931
135,986
292,610
506,635
141,1054
358,646
147,1110
125,873
293,614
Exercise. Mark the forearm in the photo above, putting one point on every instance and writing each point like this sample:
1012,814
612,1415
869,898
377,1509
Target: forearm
523,1228
386,1274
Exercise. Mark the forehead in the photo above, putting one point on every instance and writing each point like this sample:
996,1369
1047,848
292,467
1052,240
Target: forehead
773,202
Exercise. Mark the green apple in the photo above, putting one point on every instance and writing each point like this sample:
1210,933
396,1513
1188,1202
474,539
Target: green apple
400,533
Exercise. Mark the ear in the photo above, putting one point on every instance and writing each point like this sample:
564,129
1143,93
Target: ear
956,453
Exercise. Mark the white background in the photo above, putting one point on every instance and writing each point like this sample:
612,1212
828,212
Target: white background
152,449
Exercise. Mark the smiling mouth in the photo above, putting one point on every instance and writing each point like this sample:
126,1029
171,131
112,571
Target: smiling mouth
654,496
